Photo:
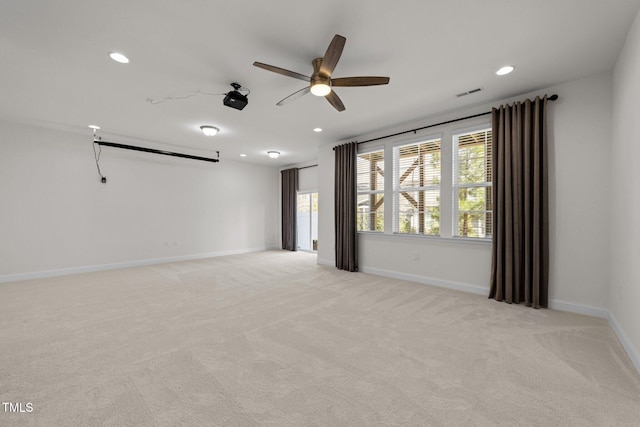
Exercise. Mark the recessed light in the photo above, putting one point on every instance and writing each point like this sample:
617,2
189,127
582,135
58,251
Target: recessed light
209,130
504,70
118,57
94,127
273,154
317,129
243,155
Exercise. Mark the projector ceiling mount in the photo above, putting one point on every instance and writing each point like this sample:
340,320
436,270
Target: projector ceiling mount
235,99
320,81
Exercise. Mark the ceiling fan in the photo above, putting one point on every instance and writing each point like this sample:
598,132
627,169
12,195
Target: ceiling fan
320,81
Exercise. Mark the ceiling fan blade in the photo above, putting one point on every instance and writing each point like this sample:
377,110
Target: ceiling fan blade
360,81
332,55
334,100
282,71
294,96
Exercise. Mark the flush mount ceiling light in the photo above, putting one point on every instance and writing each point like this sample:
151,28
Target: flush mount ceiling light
273,154
209,130
118,57
505,70
243,155
317,129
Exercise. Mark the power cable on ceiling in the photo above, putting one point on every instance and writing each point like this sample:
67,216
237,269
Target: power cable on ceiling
191,95
96,154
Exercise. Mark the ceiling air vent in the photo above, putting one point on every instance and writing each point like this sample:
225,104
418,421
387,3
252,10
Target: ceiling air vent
469,92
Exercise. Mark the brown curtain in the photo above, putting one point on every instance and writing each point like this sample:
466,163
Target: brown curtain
345,207
520,262
289,198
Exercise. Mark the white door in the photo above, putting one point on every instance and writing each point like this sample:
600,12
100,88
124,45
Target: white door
307,217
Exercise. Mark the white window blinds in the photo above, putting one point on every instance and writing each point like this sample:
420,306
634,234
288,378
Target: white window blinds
472,176
416,189
370,182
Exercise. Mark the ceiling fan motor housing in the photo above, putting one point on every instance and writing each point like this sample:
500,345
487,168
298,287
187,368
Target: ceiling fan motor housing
319,79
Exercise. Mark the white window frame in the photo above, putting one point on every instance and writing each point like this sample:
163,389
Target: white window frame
448,218
310,194
377,191
395,184
455,186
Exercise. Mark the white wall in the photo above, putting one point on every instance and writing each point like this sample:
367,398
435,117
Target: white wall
57,215
308,179
579,131
326,230
579,191
625,189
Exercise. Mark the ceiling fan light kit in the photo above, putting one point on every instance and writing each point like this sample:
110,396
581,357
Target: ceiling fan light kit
320,82
320,89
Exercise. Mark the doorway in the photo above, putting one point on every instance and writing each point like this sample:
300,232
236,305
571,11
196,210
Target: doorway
307,221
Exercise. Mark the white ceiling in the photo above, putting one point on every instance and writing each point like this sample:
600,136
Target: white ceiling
55,70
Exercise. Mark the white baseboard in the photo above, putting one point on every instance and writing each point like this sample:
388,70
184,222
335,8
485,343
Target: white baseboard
129,264
325,262
572,307
480,290
474,289
632,352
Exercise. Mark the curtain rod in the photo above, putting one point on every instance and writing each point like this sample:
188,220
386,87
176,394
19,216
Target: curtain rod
310,166
551,98
152,150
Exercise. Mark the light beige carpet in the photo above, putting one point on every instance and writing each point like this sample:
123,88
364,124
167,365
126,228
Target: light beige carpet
273,339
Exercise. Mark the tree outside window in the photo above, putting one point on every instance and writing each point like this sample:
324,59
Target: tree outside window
473,208
370,182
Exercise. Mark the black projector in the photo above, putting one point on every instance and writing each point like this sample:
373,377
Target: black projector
235,99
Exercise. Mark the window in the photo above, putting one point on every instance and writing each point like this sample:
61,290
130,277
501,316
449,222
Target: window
438,185
472,166
370,181
416,188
